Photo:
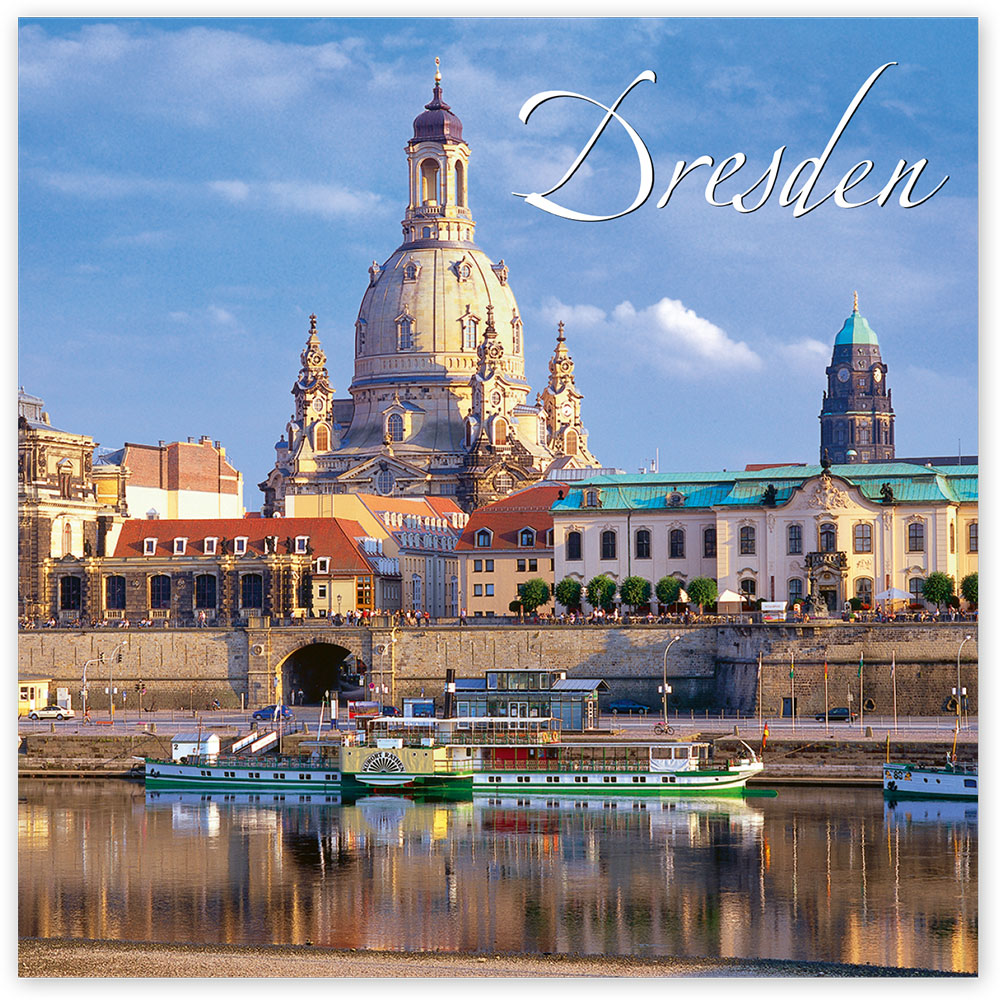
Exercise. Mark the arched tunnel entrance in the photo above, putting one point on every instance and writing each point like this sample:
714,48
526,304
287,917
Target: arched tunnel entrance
310,672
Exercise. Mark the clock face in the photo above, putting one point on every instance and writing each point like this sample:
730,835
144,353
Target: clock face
877,374
567,410
496,397
844,374
317,404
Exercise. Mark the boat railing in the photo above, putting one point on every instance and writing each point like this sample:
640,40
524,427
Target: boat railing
268,763
555,765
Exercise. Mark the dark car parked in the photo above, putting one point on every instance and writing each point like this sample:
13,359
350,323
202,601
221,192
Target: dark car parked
838,715
625,707
267,714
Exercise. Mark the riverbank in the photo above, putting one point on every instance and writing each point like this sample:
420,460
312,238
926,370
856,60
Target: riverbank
59,958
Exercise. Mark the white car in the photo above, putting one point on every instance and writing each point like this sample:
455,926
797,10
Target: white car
51,712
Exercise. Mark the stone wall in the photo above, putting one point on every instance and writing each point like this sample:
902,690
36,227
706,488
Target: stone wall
711,667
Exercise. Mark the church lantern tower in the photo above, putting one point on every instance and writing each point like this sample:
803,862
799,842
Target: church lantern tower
857,420
561,401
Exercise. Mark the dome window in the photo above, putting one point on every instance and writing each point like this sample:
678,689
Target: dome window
394,427
426,232
429,172
404,332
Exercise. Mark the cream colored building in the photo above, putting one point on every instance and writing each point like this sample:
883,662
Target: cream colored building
777,533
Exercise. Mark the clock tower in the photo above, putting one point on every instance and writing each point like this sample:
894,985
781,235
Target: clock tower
857,420
560,400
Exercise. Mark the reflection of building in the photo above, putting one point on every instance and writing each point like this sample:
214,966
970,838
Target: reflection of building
181,479
229,570
439,401
776,533
505,544
856,422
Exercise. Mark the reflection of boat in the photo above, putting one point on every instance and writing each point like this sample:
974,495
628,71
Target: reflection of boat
313,774
913,781
947,812
224,797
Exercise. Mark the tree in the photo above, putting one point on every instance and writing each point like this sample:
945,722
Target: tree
702,591
938,587
601,592
970,588
517,607
569,592
533,594
635,591
668,590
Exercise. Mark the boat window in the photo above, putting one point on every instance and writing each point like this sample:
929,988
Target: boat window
970,782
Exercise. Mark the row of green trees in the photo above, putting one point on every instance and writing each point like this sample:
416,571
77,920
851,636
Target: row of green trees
635,591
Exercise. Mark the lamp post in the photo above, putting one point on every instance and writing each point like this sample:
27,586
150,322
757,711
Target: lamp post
958,686
665,688
83,689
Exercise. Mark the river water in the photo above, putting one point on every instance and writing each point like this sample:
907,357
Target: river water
810,875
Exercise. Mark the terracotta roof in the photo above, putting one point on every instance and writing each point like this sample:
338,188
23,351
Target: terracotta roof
530,508
329,537
423,506
179,465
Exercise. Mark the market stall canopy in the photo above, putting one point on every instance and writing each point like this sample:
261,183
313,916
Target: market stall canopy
893,594
728,596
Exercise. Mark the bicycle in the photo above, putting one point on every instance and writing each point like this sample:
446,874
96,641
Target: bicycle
663,729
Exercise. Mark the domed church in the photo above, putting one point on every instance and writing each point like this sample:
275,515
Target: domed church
439,402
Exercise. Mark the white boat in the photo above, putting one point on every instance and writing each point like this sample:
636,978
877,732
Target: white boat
915,781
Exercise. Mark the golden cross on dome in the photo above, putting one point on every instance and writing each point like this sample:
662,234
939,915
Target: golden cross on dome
855,301
437,71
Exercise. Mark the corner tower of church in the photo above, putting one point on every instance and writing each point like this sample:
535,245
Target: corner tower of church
857,421
439,401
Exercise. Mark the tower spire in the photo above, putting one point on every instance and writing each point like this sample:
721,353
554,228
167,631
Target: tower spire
855,301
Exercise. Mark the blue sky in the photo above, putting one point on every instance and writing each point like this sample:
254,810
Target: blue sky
190,191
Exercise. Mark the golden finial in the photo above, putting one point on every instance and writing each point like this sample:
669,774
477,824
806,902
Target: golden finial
562,335
437,70
855,301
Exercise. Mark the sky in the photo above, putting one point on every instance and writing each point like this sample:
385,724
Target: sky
190,191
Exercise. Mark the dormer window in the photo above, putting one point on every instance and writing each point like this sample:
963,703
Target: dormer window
210,546
592,498
484,538
180,546
527,538
149,546
240,545
323,564
301,543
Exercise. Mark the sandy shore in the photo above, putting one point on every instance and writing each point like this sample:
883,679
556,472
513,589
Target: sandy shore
114,959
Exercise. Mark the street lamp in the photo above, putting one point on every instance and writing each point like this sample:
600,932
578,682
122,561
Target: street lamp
666,689
958,686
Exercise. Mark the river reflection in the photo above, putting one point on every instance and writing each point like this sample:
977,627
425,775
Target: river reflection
812,875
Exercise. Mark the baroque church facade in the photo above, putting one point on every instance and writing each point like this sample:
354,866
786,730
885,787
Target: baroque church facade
439,403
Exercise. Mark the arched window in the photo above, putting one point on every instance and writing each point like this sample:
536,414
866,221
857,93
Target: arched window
114,593
915,540
251,591
394,427
795,539
500,431
863,590
574,546
70,593
609,545
951,537
917,589
794,590
677,543
468,433
67,539
322,438
159,592
426,232
503,483
527,538
571,442
748,541
515,329
643,546
205,590
748,588
469,330
828,537
862,537
708,538
460,183
429,171
410,272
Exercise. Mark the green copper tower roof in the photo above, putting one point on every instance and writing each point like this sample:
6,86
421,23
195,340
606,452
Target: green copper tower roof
856,330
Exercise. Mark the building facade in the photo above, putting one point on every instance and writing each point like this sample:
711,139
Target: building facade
439,403
857,423
776,533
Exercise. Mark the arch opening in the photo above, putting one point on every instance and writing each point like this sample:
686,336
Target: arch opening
317,668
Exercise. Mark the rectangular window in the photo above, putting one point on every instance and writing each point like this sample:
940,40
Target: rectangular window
489,590
489,565
205,588
477,565
477,590
862,538
323,565
748,541
301,543
240,546
321,591
209,546
974,537
520,566
149,546
532,565
915,537
795,539
180,544
709,540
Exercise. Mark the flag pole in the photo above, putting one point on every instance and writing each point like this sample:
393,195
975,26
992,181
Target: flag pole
826,698
760,695
861,697
895,718
791,677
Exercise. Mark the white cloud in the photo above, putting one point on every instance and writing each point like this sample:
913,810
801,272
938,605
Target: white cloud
231,190
221,316
675,338
807,354
326,200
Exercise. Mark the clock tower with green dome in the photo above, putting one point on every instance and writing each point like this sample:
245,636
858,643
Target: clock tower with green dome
857,421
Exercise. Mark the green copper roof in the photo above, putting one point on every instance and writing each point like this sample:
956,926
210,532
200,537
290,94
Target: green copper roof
856,331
